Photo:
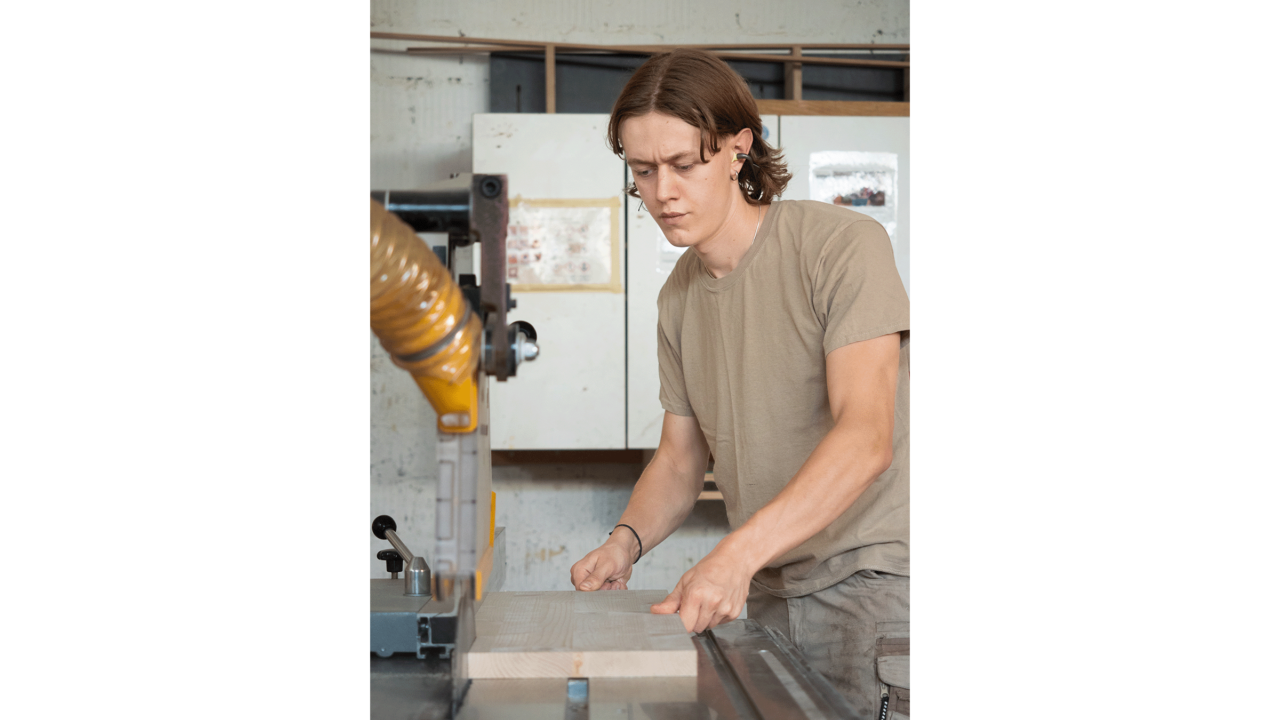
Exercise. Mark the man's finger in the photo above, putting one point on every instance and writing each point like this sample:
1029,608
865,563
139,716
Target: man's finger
669,605
692,613
581,570
720,616
596,578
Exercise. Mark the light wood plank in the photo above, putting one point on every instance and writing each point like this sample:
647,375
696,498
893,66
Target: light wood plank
793,77
464,49
651,49
906,84
579,634
711,494
833,107
550,68
620,48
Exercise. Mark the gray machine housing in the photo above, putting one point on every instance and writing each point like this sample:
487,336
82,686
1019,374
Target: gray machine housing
402,624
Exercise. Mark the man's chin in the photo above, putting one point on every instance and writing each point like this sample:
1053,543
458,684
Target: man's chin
678,239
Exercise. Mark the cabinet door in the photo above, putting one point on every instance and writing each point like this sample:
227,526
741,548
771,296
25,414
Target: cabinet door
649,261
574,395
802,136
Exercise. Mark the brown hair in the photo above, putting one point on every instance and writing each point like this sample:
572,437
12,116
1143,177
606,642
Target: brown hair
702,90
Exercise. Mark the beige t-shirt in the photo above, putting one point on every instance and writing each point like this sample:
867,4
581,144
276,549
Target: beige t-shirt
746,355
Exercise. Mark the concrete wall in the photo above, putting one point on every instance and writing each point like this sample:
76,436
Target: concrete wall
422,106
421,132
555,514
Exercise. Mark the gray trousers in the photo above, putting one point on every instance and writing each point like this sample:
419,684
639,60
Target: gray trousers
856,633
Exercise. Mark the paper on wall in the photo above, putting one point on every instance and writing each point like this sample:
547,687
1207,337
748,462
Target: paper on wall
866,182
559,245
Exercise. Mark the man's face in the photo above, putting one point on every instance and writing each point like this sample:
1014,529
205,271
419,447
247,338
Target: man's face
689,199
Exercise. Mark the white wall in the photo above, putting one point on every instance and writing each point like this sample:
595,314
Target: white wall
421,132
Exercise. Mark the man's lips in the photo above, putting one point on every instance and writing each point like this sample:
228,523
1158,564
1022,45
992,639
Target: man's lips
671,216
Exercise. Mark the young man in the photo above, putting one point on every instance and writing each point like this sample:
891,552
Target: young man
783,346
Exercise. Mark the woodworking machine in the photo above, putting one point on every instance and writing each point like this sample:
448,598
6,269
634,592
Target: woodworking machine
451,334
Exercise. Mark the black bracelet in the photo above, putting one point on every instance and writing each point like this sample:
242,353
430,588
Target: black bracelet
633,532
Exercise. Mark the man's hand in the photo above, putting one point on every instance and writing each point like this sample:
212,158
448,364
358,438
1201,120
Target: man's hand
712,592
608,567
662,499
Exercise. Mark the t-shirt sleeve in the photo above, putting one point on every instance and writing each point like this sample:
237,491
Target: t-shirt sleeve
671,393
858,294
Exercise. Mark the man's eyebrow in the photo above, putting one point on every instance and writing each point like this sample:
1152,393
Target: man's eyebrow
668,159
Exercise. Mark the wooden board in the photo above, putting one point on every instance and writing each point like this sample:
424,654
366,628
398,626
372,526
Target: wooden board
579,634
833,107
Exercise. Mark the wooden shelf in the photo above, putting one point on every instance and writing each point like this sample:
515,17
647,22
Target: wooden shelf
711,494
833,107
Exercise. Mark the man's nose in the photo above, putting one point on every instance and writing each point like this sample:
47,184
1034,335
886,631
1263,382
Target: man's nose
666,185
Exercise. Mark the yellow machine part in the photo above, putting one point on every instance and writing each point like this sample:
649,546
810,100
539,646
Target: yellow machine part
422,319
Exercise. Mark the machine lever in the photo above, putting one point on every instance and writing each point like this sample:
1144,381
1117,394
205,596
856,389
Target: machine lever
395,563
385,529
417,580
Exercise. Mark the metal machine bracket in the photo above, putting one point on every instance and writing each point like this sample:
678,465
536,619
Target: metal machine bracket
472,208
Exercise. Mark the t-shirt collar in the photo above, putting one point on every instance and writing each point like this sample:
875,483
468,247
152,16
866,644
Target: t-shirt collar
715,284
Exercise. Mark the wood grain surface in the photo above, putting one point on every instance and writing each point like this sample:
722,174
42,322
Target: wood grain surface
579,634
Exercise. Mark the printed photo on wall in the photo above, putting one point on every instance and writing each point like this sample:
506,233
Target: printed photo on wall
866,182
559,245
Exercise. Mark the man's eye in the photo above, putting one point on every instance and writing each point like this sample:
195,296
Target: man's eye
643,173
685,168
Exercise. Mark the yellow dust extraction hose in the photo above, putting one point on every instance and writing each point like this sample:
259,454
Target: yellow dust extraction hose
422,319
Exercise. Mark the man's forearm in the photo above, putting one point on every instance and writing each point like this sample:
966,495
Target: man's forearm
662,499
838,471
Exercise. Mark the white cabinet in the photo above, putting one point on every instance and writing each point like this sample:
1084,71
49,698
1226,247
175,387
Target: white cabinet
804,135
649,261
574,395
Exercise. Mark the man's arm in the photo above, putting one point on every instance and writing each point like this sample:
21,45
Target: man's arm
862,383
662,499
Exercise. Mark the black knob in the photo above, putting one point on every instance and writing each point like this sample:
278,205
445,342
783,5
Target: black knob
395,563
524,327
490,187
382,524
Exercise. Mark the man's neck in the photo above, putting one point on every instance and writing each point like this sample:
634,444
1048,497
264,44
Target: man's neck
722,252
